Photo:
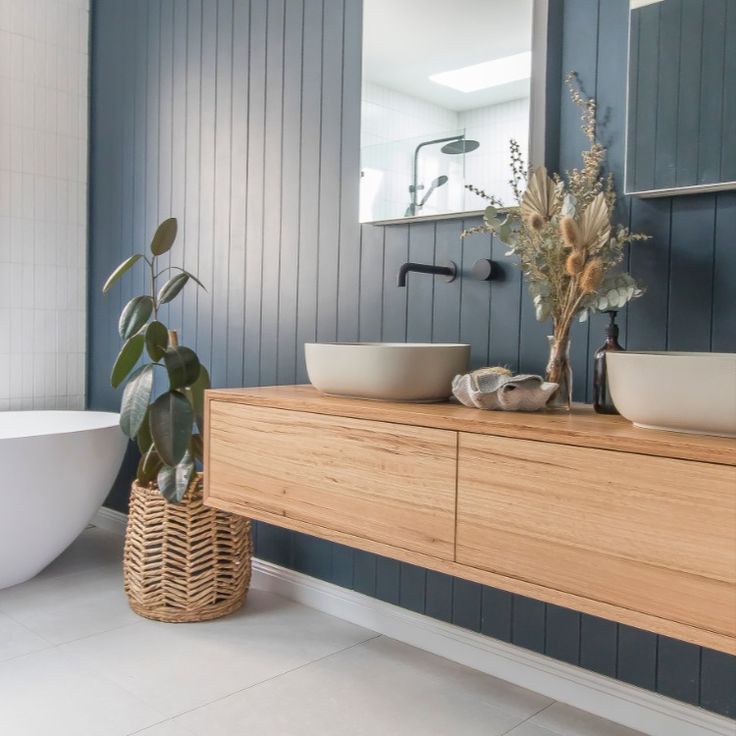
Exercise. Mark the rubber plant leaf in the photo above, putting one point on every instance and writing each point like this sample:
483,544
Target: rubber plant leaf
136,396
149,466
127,358
164,237
191,275
135,314
143,438
171,426
172,287
195,279
182,365
174,481
157,340
126,265
195,394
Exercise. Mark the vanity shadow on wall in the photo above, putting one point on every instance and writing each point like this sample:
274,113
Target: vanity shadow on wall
178,97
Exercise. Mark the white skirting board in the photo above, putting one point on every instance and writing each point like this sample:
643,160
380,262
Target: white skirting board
113,521
616,701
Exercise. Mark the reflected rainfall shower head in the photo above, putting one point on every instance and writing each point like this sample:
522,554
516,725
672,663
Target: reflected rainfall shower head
461,145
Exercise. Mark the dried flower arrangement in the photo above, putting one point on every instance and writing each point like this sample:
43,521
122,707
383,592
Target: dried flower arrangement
562,234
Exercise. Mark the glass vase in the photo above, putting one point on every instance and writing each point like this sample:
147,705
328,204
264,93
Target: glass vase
559,371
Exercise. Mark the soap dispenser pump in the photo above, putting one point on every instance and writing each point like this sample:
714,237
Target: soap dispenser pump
601,397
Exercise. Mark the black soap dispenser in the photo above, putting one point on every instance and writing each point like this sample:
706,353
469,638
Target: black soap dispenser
601,397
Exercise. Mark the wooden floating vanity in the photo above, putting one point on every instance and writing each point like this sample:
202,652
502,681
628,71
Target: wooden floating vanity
581,510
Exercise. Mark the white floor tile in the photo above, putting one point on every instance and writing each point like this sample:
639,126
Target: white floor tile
564,720
93,549
46,693
167,728
177,667
380,687
66,607
516,701
16,640
528,728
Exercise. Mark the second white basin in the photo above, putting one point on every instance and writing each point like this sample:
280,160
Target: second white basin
680,392
387,371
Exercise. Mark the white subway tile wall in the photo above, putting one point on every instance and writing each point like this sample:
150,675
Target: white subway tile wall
494,126
393,123
44,67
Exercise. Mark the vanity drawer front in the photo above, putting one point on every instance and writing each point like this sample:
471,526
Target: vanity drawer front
650,534
384,482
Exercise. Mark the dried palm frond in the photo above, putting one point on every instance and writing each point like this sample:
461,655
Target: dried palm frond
540,197
595,224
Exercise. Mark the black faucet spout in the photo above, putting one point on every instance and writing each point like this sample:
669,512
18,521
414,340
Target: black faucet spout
448,270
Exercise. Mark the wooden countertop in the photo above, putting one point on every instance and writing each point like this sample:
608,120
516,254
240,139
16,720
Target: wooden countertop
582,427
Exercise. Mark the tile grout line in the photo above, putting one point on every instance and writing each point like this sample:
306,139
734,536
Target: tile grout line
98,633
161,723
530,718
260,682
52,644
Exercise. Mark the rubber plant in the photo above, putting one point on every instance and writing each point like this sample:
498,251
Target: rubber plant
167,427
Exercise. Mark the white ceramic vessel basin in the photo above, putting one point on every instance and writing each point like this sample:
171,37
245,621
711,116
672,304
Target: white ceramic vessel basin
386,371
680,392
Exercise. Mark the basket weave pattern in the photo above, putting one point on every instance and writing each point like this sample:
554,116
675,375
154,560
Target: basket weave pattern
184,561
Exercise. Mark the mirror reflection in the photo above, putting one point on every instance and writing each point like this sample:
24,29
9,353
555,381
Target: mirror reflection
681,126
445,86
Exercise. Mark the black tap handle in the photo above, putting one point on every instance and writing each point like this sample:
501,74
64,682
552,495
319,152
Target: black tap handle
484,270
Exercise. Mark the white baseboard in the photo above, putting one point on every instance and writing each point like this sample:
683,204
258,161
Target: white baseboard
113,521
616,701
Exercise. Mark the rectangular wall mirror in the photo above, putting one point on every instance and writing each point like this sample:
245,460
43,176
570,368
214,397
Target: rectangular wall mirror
681,112
445,86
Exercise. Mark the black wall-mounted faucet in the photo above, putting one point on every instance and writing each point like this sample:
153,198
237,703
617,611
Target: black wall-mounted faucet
483,270
448,270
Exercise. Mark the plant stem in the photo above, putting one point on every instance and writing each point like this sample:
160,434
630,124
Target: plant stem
153,287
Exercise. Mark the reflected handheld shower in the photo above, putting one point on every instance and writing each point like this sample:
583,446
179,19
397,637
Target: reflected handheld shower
438,182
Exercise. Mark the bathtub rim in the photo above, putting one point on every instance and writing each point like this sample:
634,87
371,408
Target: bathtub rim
96,421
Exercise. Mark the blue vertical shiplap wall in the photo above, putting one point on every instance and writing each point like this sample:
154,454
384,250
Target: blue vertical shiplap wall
242,119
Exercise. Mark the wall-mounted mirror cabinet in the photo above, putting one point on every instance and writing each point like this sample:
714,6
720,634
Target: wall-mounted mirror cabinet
681,117
445,86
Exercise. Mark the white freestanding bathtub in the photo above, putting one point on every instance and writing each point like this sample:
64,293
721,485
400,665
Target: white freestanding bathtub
57,467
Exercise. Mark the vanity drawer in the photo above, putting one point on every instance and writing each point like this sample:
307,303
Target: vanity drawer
654,535
383,482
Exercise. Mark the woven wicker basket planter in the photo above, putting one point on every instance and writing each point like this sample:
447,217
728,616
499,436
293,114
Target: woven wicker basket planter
184,562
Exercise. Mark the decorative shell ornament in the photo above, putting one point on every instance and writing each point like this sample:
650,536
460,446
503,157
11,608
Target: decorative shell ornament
497,389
